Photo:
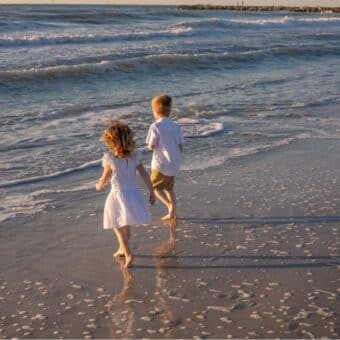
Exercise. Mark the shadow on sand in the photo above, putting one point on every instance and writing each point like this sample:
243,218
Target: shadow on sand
263,220
246,266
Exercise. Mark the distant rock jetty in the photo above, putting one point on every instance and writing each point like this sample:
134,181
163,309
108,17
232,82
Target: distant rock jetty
263,8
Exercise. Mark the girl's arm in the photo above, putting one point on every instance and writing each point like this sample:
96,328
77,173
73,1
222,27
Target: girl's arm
105,177
146,179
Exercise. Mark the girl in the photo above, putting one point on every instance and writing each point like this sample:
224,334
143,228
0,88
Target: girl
125,204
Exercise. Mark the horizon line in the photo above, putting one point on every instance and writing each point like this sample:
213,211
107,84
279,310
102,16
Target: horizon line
109,3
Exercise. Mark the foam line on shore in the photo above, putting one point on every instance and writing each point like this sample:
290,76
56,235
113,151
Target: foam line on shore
31,180
212,162
238,152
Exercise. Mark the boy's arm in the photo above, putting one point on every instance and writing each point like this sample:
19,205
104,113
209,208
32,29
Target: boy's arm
104,178
181,139
146,178
152,138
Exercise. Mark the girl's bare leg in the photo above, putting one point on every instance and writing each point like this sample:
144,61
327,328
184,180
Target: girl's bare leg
118,232
124,245
128,258
119,252
127,233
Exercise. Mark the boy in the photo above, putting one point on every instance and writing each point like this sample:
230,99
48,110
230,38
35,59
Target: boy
165,138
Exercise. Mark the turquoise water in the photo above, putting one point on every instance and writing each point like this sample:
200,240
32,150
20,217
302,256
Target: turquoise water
242,83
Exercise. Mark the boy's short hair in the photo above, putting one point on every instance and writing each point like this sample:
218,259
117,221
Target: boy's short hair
162,104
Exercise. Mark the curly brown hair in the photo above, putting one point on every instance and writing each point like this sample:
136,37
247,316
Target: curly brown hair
119,138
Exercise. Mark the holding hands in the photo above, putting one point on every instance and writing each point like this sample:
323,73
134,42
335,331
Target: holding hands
152,197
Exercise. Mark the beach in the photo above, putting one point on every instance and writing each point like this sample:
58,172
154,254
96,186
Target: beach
255,250
254,254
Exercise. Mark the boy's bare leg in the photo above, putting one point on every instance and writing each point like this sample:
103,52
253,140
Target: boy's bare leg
162,197
172,205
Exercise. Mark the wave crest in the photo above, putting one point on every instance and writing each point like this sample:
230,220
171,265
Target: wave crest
184,60
41,40
277,21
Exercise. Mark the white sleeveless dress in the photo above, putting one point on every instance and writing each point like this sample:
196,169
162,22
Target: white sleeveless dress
125,204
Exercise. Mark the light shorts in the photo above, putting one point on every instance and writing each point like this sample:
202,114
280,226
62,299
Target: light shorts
160,181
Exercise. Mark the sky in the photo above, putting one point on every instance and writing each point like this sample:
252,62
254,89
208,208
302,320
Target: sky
185,2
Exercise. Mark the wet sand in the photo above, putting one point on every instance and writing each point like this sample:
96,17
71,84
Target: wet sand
254,254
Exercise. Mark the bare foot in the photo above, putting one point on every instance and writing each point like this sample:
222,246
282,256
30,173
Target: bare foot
118,253
173,217
166,217
128,261
169,217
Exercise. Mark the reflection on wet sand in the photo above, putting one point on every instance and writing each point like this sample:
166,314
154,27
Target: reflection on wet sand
165,256
122,315
130,300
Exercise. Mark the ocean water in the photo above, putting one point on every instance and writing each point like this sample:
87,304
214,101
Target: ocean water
242,83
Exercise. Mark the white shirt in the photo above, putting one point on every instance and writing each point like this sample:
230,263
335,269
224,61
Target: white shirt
166,136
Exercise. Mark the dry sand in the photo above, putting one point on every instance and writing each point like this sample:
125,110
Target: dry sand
254,255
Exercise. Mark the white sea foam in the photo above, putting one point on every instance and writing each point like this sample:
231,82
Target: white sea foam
26,204
83,187
32,203
323,19
200,127
178,30
280,20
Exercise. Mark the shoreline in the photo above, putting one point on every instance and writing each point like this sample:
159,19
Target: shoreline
296,9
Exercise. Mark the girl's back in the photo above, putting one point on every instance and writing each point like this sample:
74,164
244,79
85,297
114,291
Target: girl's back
123,170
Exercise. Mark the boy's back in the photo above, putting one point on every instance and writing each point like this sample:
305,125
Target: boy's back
166,137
